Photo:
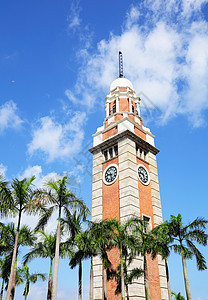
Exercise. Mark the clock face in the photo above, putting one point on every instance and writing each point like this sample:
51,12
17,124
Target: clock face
143,174
110,174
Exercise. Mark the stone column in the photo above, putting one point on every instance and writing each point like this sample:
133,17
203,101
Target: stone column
130,104
157,213
117,105
129,201
138,108
107,110
97,214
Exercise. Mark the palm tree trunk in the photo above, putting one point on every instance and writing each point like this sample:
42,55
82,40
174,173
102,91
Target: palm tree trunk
26,290
127,292
80,280
56,260
185,274
2,289
105,283
14,281
122,275
9,288
50,280
91,279
168,280
146,280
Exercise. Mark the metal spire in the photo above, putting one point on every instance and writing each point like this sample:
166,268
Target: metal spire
120,64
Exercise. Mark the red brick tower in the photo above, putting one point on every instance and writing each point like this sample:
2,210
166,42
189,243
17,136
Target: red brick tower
125,183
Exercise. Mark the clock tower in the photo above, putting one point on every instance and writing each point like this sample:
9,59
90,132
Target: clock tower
125,184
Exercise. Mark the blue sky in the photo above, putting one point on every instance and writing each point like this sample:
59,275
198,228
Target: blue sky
57,61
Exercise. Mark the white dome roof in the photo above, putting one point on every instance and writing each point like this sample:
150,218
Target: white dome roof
121,82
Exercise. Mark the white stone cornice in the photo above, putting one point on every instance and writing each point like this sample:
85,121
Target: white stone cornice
123,95
113,139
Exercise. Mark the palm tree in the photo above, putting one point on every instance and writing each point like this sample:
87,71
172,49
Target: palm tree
59,197
5,247
78,245
91,278
101,236
161,241
177,296
182,242
5,270
44,249
2,275
30,278
144,244
124,238
26,238
16,199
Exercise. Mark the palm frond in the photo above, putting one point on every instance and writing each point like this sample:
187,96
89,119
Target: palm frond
78,205
27,236
200,260
34,277
197,235
6,198
33,253
198,223
134,274
46,214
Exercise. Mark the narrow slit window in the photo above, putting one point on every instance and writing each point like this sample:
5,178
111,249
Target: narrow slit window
133,109
145,155
146,221
111,152
137,149
140,152
106,155
114,108
116,150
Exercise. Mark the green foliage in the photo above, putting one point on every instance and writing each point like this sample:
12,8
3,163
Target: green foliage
26,238
44,249
182,238
128,276
177,296
102,240
30,278
57,195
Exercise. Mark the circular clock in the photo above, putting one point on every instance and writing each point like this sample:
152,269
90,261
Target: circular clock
143,174
110,174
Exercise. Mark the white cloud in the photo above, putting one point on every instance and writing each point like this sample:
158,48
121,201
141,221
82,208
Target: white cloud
192,5
41,178
36,292
71,96
165,57
74,19
3,170
58,140
179,9
9,117
132,16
